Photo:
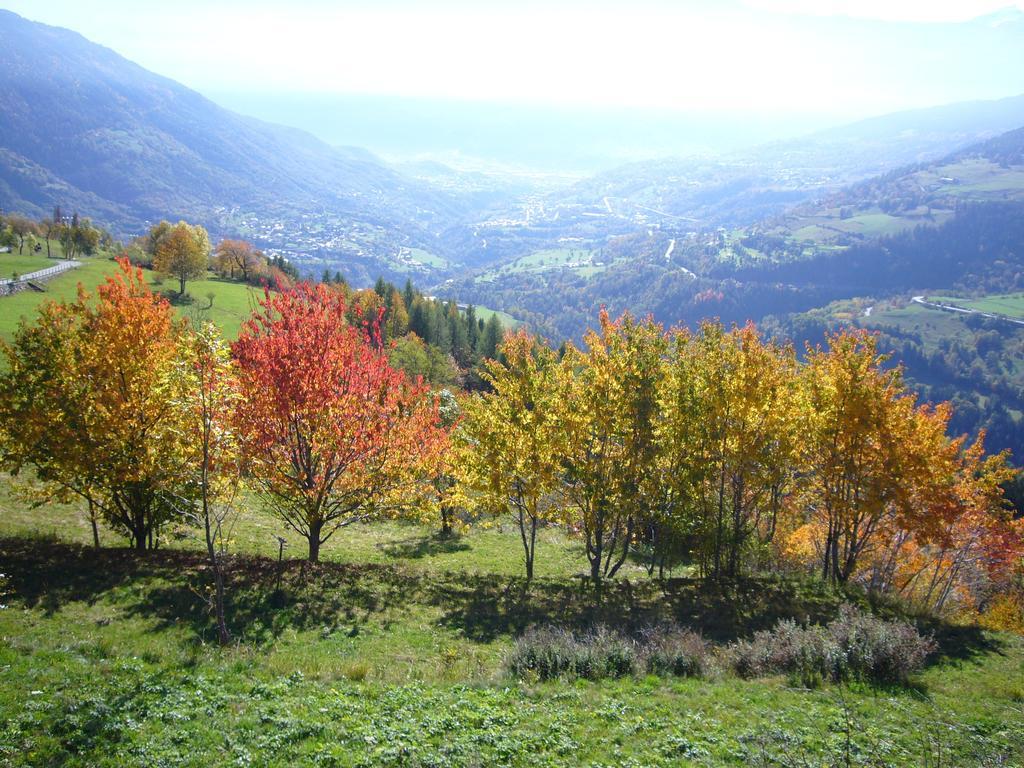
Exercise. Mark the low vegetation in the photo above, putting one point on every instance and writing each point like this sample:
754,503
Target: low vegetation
853,646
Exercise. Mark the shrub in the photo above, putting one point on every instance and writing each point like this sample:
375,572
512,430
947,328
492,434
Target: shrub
856,645
551,653
675,651
874,649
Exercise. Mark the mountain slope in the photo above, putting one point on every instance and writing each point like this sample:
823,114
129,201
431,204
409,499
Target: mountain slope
84,127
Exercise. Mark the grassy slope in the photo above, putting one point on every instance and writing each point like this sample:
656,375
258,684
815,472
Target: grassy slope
393,652
1009,304
971,179
541,261
232,302
13,263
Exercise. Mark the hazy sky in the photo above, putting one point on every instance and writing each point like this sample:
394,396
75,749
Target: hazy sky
832,56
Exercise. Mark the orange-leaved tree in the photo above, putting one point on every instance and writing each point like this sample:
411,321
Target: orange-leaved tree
89,401
332,434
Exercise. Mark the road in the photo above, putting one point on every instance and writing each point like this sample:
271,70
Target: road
671,247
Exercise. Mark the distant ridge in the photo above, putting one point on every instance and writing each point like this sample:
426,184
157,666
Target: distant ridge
85,128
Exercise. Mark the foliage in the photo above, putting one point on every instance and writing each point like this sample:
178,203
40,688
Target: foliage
509,440
181,251
212,465
238,257
331,432
608,395
88,403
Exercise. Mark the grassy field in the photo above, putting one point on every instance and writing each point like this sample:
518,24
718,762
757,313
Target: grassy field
14,264
1008,304
577,259
231,302
391,653
824,229
506,319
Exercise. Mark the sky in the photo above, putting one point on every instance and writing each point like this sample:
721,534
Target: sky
832,56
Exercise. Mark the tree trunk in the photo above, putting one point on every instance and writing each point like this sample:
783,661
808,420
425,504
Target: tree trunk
222,626
314,542
95,528
181,279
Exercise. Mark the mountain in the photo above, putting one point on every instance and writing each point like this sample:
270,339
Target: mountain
87,129
742,186
950,222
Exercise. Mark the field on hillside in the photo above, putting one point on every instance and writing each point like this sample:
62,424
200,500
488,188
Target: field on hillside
223,302
392,653
12,264
580,260
1008,304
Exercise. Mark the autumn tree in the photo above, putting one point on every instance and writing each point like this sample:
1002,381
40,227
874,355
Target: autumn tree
159,232
608,409
510,440
211,466
79,237
331,432
875,462
88,402
184,253
445,479
239,256
729,411
49,229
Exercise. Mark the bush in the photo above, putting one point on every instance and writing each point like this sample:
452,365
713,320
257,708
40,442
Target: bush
856,645
873,649
551,653
674,651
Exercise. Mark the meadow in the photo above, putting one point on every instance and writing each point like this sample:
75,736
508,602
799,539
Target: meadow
397,648
580,260
21,264
225,303
1008,304
392,652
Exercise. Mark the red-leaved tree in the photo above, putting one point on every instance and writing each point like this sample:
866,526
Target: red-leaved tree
332,434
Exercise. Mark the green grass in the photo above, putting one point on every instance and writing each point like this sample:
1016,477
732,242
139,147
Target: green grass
14,264
577,259
426,257
1008,304
391,653
506,319
869,224
232,302
225,303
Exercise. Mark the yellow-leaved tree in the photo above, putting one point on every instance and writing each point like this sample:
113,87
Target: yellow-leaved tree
510,439
183,252
608,400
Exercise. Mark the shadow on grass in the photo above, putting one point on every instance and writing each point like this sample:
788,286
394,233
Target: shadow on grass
265,601
424,546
